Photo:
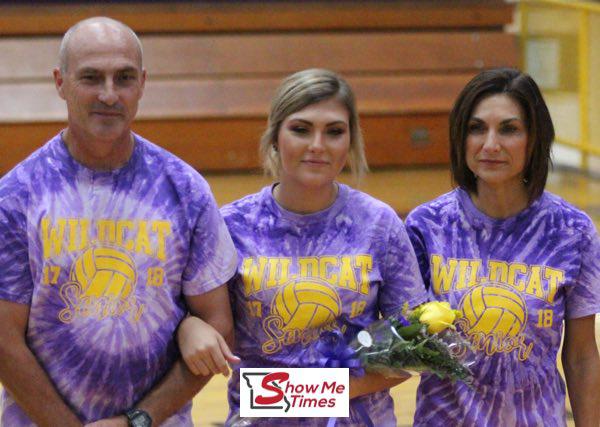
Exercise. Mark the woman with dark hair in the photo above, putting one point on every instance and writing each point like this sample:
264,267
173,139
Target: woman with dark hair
314,255
516,260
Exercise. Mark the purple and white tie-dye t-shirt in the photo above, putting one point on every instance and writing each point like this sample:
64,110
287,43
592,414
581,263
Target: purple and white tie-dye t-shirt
299,275
515,281
104,259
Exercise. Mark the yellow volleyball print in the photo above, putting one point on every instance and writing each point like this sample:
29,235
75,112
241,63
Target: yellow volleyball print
306,304
104,272
494,309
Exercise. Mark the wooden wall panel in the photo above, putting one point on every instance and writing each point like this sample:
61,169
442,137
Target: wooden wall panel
28,58
167,17
230,144
279,54
214,66
253,55
17,141
208,144
213,98
412,139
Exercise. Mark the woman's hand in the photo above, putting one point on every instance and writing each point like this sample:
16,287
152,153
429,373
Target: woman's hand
203,349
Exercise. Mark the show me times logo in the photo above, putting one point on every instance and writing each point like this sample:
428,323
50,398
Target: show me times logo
294,392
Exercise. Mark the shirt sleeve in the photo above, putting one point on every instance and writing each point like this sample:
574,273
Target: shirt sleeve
16,284
212,256
418,244
583,297
402,281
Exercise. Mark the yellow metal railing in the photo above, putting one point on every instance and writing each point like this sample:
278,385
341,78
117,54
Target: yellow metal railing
559,27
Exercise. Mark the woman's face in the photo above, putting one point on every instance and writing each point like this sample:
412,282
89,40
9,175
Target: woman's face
313,144
496,145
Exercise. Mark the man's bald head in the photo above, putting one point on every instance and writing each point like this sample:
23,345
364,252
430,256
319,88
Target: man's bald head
100,26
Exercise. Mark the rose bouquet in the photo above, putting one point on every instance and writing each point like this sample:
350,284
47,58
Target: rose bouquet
418,340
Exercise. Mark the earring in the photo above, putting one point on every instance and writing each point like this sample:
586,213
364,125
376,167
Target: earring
525,181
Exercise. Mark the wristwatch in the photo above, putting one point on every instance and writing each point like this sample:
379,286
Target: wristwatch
138,418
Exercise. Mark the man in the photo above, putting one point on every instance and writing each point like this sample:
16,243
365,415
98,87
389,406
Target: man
106,241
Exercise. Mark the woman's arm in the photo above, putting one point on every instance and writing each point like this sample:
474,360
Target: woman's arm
371,383
203,348
581,364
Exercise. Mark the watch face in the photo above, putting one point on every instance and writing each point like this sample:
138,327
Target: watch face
140,419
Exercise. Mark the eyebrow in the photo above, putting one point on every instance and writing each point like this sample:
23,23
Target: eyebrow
87,70
97,71
510,119
308,122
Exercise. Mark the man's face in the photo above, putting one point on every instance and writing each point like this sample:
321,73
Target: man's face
102,86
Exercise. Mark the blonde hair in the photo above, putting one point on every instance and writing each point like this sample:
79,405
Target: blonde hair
300,90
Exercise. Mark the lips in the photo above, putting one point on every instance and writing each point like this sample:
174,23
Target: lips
107,113
315,162
491,162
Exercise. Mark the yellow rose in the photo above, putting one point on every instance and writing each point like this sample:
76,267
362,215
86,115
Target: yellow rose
437,316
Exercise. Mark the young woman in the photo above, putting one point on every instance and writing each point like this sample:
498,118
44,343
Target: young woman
314,254
516,260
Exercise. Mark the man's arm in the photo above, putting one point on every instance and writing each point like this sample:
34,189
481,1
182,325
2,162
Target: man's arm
22,375
180,385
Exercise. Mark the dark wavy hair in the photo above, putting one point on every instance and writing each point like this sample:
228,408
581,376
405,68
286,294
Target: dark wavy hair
523,90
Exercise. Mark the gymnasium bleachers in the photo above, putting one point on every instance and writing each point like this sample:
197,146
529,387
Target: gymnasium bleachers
213,68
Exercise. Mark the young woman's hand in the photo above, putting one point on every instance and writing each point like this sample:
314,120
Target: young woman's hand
203,349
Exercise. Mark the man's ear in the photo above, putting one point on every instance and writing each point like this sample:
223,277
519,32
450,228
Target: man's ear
143,80
58,82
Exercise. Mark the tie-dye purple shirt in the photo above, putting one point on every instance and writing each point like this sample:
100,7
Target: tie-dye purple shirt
301,274
104,259
515,281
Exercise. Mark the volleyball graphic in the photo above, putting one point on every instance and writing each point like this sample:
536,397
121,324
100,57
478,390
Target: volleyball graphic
104,272
306,304
494,309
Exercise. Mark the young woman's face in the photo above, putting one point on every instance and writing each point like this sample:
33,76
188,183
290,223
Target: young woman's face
496,145
313,144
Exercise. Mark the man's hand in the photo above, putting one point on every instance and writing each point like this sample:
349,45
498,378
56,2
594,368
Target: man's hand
203,349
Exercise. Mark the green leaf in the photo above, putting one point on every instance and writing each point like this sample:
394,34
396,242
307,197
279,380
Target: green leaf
409,332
